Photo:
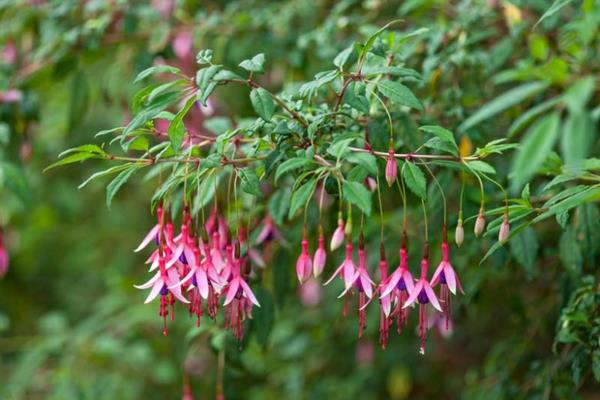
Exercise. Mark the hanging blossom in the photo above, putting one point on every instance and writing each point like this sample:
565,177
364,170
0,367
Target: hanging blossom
338,235
396,289
304,263
385,303
320,255
239,300
4,259
423,294
347,272
448,280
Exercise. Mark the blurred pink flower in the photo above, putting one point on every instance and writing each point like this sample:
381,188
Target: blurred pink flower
182,45
310,293
10,96
4,258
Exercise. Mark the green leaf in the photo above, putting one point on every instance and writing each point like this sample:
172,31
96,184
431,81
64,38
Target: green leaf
357,194
415,179
371,40
503,102
16,181
524,119
279,204
263,103
206,190
524,249
356,98
366,160
204,56
391,70
114,186
226,75
255,64
399,94
109,171
159,69
442,133
588,195
345,56
439,144
73,158
86,148
301,196
204,77
176,129
577,139
513,232
150,111
291,164
554,8
579,93
536,146
481,166
249,181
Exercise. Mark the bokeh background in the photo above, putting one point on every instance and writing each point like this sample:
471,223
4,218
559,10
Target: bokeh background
73,327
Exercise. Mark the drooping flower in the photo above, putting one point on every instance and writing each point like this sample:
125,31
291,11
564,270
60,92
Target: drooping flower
239,300
347,272
423,294
154,233
364,284
4,258
338,235
304,262
160,284
448,280
320,255
391,168
385,303
184,252
267,232
396,288
504,230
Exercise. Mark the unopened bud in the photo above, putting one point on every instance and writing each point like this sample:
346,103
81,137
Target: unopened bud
391,169
504,230
338,236
459,234
479,223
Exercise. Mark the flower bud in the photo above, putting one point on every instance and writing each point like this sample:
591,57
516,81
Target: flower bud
479,223
338,236
320,256
371,183
304,263
504,230
391,169
459,234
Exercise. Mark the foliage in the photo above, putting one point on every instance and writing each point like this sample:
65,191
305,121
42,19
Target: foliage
290,97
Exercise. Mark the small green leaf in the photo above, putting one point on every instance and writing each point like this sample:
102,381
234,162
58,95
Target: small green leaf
206,190
114,186
554,8
109,171
263,103
399,94
301,196
588,195
357,194
255,64
415,179
176,129
249,181
365,160
204,56
442,133
482,166
503,102
536,146
345,56
159,69
291,164
73,158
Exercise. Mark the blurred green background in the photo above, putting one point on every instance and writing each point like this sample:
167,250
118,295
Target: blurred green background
73,327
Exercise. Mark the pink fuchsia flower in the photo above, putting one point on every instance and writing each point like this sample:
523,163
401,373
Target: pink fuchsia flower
397,288
346,271
304,263
370,183
320,255
238,301
385,303
448,280
423,294
391,168
182,45
365,285
338,235
267,232
154,233
4,258
11,96
160,284
310,293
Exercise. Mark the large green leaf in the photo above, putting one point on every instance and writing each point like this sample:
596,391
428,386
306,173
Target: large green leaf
263,103
399,94
503,102
357,194
415,179
536,146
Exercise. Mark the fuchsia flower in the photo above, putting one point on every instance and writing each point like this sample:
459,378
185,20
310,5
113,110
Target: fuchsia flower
338,235
385,303
320,255
160,284
424,294
347,270
504,230
4,259
364,285
370,183
238,301
448,280
184,252
267,232
391,168
304,263
154,233
397,289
